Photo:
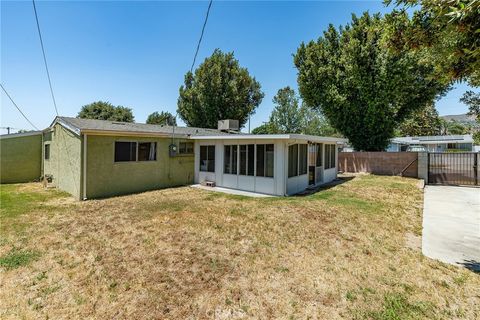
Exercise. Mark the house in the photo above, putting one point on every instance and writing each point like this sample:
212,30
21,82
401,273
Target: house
21,157
433,143
96,158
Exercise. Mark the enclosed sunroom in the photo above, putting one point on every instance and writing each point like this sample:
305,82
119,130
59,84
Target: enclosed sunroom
283,164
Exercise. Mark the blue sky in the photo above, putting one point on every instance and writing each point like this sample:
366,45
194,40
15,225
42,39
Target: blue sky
136,54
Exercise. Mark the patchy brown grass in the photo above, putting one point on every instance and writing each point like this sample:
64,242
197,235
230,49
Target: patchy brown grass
345,252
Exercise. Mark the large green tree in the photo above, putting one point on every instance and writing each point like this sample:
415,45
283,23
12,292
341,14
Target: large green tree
364,90
219,89
164,117
102,110
447,32
287,116
425,122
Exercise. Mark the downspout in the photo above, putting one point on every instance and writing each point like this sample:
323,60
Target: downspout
84,167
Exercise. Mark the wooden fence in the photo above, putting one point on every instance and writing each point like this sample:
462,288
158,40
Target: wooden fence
382,163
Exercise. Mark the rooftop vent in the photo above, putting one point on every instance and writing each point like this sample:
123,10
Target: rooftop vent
119,123
228,125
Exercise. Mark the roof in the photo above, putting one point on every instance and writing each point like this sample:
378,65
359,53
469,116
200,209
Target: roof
92,126
244,136
467,138
23,134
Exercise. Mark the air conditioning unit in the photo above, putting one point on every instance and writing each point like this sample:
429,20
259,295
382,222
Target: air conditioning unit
228,125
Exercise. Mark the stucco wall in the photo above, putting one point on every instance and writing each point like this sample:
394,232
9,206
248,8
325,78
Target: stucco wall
65,160
108,178
21,158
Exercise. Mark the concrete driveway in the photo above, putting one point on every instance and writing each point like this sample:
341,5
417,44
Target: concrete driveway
451,225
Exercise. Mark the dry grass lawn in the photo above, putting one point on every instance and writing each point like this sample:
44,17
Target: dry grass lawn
350,251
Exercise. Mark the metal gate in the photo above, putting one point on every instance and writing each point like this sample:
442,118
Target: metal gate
453,169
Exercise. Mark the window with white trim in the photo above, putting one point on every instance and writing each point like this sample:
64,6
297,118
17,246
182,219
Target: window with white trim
230,159
297,160
265,160
207,158
330,157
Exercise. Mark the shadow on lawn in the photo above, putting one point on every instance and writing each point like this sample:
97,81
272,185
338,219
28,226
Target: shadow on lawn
312,190
471,265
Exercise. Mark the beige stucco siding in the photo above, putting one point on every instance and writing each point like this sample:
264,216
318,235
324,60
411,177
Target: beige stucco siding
105,177
65,163
21,158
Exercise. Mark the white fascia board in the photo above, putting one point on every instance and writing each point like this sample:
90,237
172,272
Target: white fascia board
301,137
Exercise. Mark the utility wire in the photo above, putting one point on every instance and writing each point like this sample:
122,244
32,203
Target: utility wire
201,35
44,57
23,114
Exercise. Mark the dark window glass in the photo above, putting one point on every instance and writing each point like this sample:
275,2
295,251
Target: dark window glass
319,154
243,160
269,160
260,160
185,148
234,159
211,158
47,151
147,151
327,156
125,151
251,159
207,158
293,160
332,156
302,162
227,159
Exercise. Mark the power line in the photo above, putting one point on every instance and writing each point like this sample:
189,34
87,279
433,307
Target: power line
23,114
201,35
44,57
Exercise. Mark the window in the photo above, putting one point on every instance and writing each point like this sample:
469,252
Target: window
265,160
260,160
207,158
269,160
247,159
330,156
125,151
319,154
147,151
185,148
293,160
47,152
302,159
243,160
230,159
251,159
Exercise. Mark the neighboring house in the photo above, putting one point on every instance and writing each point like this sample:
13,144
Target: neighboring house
97,158
433,143
21,157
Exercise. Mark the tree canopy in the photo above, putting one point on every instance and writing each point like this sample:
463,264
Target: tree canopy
446,32
102,110
164,117
219,89
291,116
364,90
425,122
287,116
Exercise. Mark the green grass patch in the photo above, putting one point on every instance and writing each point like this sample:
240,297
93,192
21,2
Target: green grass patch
397,307
17,258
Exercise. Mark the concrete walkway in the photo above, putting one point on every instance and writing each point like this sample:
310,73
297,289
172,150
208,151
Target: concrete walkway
232,191
451,225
